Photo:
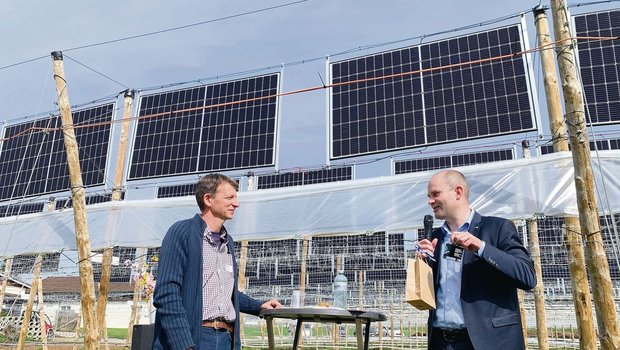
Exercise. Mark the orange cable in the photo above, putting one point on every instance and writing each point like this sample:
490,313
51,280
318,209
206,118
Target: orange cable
314,88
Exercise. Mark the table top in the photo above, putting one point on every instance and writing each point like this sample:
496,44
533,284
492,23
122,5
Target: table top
324,314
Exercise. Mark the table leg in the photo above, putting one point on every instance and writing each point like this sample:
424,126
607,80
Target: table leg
359,334
298,328
270,338
367,335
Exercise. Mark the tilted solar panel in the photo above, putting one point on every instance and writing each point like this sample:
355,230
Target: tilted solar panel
33,156
305,177
462,88
229,125
451,161
598,65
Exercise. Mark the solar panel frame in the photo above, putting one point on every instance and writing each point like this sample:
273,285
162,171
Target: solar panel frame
34,158
451,161
601,145
430,107
307,177
227,125
598,65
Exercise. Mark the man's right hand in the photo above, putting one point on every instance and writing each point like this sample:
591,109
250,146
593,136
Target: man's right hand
426,246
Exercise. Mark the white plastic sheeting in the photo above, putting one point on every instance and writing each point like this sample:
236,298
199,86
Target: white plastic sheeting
515,189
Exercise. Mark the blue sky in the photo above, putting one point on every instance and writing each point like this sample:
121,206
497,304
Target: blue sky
240,36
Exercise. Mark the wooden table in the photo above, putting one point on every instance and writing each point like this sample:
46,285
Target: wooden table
323,315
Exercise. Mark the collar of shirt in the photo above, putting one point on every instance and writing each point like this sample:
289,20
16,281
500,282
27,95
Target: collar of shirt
208,238
462,228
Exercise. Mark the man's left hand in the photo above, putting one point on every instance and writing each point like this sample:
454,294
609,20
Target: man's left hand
466,240
271,304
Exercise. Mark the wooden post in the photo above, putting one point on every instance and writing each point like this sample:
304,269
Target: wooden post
539,290
580,287
302,277
117,191
360,291
520,293
242,282
8,262
91,335
137,297
42,313
597,264
21,343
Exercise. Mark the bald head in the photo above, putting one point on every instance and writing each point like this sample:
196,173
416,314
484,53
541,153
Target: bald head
448,197
454,179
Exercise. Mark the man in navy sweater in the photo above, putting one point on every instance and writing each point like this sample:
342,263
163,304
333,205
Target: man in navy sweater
480,263
196,295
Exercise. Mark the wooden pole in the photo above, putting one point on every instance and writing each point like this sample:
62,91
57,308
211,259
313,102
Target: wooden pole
41,313
21,343
91,335
360,291
302,277
8,263
243,262
521,293
137,296
539,290
580,287
117,191
597,264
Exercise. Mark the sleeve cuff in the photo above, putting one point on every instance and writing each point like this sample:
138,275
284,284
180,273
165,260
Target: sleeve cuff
481,250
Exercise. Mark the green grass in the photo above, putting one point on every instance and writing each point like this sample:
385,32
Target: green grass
117,333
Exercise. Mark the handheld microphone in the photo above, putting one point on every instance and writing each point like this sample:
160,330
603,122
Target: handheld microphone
428,226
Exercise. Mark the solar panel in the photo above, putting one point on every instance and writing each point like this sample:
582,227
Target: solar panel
24,264
21,209
230,125
33,155
305,177
436,106
601,145
90,199
176,190
451,161
598,65
181,190
120,273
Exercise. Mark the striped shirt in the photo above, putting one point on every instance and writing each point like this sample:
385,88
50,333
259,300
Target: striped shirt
218,278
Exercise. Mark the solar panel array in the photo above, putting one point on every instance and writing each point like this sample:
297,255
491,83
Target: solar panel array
441,104
90,199
230,125
598,65
24,264
121,272
299,178
451,161
601,145
33,156
176,190
21,209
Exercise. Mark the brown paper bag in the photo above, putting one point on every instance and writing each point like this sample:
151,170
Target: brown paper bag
419,288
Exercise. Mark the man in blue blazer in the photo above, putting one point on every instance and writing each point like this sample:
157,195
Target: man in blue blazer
196,295
480,262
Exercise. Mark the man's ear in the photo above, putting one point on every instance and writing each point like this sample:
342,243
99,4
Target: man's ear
459,191
206,199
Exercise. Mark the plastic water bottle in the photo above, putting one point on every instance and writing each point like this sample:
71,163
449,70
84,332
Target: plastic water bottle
340,290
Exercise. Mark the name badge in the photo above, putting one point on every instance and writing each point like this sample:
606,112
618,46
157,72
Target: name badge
229,268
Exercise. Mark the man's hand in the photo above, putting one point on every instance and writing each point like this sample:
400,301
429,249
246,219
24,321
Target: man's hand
466,240
271,304
427,247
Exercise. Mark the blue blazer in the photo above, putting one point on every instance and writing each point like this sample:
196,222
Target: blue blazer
178,291
489,284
